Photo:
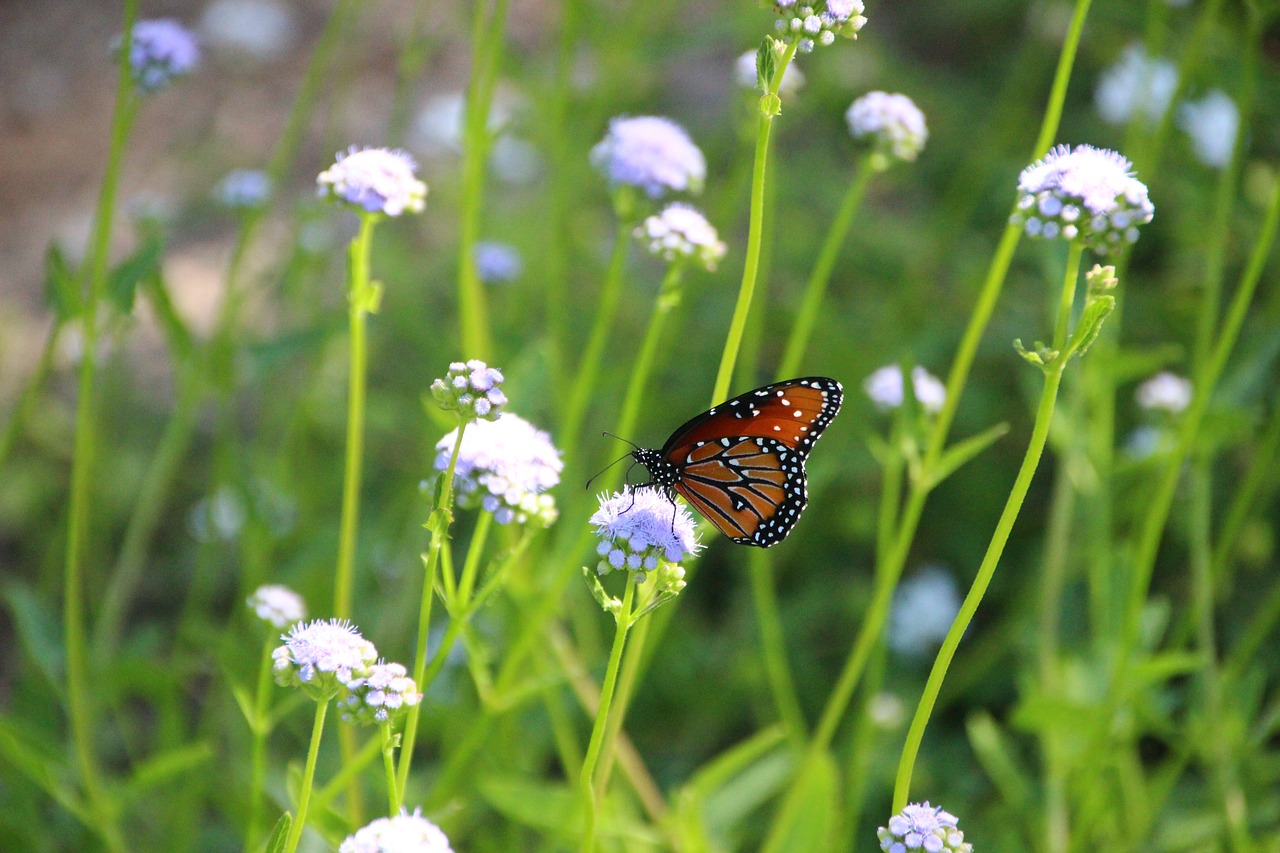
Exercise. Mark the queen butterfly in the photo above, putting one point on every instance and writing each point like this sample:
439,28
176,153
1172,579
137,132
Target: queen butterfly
741,463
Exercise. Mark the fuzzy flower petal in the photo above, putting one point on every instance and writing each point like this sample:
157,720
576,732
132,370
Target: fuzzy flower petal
884,388
160,51
681,232
891,124
644,523
923,827
324,657
403,833
504,467
652,153
377,180
1166,392
277,605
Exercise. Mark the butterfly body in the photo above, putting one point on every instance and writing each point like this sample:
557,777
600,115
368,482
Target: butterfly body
741,463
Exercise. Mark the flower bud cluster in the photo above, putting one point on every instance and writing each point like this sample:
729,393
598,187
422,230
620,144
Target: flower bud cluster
922,827
472,390
819,23
387,690
680,232
890,124
160,50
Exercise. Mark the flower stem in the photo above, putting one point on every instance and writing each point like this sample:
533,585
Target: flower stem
773,646
668,298
395,796
258,751
308,778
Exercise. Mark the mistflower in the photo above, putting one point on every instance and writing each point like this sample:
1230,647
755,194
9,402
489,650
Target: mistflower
818,23
472,389
640,526
1136,84
1166,392
923,827
323,657
892,125
277,605
403,833
160,51
924,606
680,232
1083,193
1213,123
884,388
386,691
244,189
497,263
745,71
259,29
504,467
652,153
377,180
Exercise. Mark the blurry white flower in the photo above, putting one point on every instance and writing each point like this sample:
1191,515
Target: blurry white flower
652,153
924,606
1212,123
884,388
277,605
403,833
260,29
504,466
1165,391
376,180
323,657
682,232
890,124
1136,84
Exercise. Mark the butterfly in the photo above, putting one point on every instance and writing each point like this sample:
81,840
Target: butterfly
741,463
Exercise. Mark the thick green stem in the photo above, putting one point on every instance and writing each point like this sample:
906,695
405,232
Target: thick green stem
308,778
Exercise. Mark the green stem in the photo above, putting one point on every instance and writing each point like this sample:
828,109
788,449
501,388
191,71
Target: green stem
815,290
259,729
668,298
308,778
472,565
773,647
986,571
395,796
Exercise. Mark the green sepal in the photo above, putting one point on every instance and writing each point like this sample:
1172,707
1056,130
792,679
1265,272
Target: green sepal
766,63
438,521
369,300
1040,357
61,289
1096,310
770,105
961,452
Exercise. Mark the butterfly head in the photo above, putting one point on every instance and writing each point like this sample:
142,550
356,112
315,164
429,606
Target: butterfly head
661,472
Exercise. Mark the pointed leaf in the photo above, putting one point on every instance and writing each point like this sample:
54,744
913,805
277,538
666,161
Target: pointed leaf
39,631
1090,324
163,767
997,758
61,288
961,452
545,806
123,281
279,835
807,817
19,748
766,63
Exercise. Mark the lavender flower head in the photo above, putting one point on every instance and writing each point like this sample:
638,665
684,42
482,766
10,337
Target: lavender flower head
497,263
1137,84
922,827
820,22
1166,392
1212,123
376,180
639,527
924,606
472,389
745,72
652,153
385,692
277,605
244,189
160,51
891,124
680,232
504,467
403,833
323,657
1083,193
884,388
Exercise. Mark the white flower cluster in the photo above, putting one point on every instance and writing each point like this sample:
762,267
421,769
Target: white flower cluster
402,833
504,466
376,180
891,124
472,390
819,23
323,657
652,153
378,696
638,527
923,827
680,232
277,605
884,388
1165,392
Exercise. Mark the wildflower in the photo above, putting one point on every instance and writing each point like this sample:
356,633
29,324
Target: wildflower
380,695
1136,84
923,827
886,710
820,22
640,526
497,263
1213,122
160,50
745,71
259,29
377,180
402,833
892,125
277,605
681,232
244,189
323,656
652,153
1083,193
220,516
884,387
1166,392
471,389
504,467
924,607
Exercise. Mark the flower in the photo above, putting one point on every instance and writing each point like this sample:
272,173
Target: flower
160,50
504,466
681,232
637,527
259,29
1165,391
324,657
922,827
884,387
403,833
1213,122
652,153
377,180
471,389
1136,84
820,22
1083,193
244,189
497,263
924,606
892,125
277,605
220,516
745,72
384,692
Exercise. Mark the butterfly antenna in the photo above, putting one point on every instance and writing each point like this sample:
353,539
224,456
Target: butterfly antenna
605,468
623,440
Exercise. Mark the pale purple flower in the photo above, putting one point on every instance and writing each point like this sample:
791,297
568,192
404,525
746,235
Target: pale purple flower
277,605
891,124
497,263
1137,84
884,388
637,527
924,606
402,833
652,153
681,232
244,189
386,691
1212,123
922,827
1083,193
324,657
160,50
818,23
472,389
504,467
1166,392
377,180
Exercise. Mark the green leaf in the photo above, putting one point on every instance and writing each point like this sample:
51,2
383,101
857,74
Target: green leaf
1095,312
996,755
164,766
607,603
542,805
144,263
1041,356
61,288
279,835
807,819
958,454
44,769
39,631
766,63
176,330
770,105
